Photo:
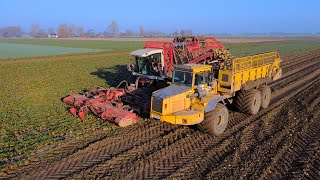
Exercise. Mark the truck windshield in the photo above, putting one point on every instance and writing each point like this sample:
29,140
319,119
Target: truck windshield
149,65
182,78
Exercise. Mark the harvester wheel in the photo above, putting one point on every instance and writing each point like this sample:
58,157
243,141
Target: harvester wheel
215,122
265,96
248,101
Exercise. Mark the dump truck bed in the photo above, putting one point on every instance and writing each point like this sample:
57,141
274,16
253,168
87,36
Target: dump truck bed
249,71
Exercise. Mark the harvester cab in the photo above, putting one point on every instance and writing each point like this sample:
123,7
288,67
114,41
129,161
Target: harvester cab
157,59
148,63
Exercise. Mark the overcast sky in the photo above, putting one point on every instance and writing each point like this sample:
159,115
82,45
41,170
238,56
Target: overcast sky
202,16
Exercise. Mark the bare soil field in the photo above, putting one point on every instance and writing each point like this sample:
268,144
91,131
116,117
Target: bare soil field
280,142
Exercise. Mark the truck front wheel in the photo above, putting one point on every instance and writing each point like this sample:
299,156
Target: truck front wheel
215,122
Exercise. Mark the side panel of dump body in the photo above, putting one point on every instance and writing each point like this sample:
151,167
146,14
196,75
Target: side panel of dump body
248,72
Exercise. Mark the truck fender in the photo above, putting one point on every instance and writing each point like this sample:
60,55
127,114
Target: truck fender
213,102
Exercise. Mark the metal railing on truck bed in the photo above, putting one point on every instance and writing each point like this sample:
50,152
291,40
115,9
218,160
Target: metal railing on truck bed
253,61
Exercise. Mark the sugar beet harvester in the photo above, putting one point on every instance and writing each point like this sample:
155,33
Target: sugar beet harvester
152,68
203,77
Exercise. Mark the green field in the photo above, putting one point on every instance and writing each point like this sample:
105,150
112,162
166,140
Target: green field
11,50
31,113
89,44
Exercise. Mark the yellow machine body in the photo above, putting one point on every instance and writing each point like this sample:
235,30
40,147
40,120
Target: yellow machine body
189,97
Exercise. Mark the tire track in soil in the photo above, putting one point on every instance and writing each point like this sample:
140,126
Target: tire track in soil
303,119
167,163
57,153
291,62
198,167
246,138
294,75
257,152
290,67
285,164
310,162
292,162
297,56
100,153
119,163
98,161
97,152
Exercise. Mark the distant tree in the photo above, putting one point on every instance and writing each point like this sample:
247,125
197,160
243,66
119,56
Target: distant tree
42,33
90,33
154,33
113,29
35,29
141,31
72,30
66,30
186,32
11,31
63,31
80,31
129,33
176,33
51,31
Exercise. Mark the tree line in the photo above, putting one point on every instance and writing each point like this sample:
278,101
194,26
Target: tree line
75,31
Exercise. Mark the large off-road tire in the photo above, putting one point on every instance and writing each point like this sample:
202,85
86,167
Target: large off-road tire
265,96
215,122
248,101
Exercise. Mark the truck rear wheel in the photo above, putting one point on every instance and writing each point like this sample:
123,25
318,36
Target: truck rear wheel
248,101
265,96
215,122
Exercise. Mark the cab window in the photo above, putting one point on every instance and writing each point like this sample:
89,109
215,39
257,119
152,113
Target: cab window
182,78
202,78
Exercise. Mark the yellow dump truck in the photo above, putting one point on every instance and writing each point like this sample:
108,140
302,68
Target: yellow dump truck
199,94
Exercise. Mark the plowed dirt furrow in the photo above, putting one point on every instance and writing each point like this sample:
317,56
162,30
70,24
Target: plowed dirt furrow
291,67
296,139
285,164
313,77
250,136
291,62
298,56
311,167
257,132
98,171
39,160
261,152
293,76
99,152
210,159
159,150
168,162
240,167
293,162
122,162
204,163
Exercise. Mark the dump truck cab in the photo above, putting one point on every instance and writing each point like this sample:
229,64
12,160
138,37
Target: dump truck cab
148,63
193,92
